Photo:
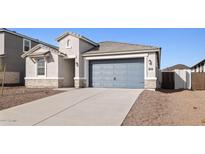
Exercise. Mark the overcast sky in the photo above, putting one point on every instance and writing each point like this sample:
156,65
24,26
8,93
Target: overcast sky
179,46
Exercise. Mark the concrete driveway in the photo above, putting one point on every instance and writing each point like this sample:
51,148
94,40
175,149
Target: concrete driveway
82,107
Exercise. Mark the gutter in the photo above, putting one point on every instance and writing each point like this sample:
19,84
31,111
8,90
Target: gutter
122,52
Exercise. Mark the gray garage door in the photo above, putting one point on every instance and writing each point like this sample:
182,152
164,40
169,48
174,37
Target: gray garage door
117,73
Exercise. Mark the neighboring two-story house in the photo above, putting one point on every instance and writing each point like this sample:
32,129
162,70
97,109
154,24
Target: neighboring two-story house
199,67
81,62
12,46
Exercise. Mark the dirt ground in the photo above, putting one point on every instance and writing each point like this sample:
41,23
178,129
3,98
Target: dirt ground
14,96
156,108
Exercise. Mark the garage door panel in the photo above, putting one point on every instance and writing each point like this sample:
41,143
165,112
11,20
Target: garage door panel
97,84
119,66
135,75
120,78
120,84
97,78
106,66
96,74
121,73
107,78
135,67
107,84
107,72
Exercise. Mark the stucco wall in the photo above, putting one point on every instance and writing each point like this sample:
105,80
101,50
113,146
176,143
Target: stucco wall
59,72
72,51
13,51
84,46
1,43
66,70
78,46
151,65
51,66
30,68
152,80
182,79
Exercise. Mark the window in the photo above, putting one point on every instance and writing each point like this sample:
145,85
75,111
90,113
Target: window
26,45
40,66
68,44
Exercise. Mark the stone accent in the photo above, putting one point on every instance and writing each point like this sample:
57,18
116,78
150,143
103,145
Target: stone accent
150,84
79,83
44,83
11,77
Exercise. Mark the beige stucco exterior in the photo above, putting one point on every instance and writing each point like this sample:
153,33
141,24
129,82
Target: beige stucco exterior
70,51
51,69
74,52
72,69
151,67
68,73
58,70
152,78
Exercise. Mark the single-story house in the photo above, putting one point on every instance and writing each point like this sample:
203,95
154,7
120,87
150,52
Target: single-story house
81,62
199,67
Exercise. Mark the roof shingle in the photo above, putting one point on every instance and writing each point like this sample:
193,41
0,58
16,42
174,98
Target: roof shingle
109,46
178,66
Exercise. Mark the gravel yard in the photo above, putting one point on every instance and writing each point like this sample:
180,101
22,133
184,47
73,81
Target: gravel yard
155,108
14,96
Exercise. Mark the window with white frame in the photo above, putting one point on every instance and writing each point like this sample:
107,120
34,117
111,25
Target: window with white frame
68,44
40,66
26,45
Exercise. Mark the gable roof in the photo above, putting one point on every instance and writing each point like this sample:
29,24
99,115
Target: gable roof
27,37
115,47
49,49
78,36
174,67
201,62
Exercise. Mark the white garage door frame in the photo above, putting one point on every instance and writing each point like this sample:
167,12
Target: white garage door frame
127,56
